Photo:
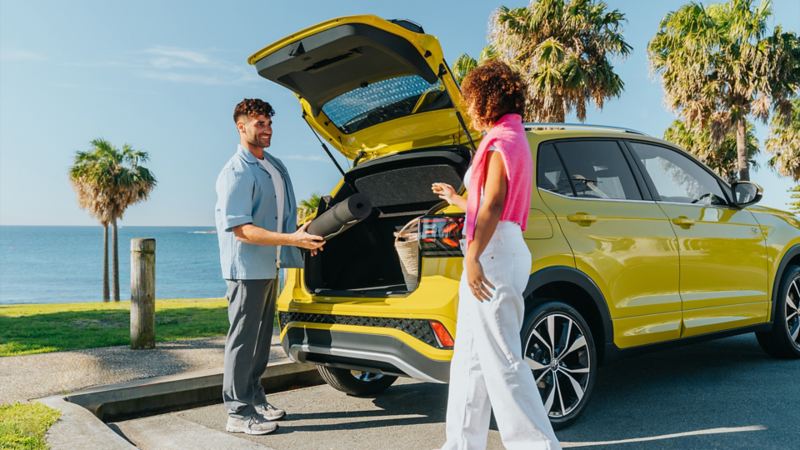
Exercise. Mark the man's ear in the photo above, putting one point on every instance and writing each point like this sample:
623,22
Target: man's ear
240,126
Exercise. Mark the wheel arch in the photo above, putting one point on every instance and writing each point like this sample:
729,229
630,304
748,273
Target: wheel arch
791,257
579,291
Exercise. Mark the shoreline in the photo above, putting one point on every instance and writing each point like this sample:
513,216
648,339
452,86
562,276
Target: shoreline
100,226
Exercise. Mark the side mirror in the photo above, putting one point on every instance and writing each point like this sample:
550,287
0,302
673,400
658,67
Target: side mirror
746,193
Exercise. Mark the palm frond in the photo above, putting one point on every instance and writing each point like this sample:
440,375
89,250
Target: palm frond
108,180
556,45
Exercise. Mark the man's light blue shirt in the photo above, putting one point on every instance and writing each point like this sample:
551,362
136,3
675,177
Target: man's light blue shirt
246,194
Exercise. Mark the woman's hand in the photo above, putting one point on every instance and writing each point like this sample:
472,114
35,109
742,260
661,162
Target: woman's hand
448,194
481,288
444,191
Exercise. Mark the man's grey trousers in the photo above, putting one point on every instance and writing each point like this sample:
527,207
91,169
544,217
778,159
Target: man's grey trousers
251,312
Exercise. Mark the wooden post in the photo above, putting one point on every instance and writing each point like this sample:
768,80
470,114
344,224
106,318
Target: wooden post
143,293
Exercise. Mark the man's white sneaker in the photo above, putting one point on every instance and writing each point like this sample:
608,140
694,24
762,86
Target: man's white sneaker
254,424
270,412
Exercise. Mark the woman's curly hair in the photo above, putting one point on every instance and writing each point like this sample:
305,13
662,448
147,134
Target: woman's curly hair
494,89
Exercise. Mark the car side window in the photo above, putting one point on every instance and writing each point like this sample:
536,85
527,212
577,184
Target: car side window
678,178
550,174
598,169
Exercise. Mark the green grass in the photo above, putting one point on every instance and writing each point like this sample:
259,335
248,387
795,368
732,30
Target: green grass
41,328
24,425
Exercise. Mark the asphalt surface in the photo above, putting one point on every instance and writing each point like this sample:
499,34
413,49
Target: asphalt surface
724,394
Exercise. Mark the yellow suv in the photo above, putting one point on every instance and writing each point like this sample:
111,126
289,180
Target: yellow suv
635,244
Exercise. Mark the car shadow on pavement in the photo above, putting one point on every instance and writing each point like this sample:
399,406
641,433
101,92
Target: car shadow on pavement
717,384
400,405
704,386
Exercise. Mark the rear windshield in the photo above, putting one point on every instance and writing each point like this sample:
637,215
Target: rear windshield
385,100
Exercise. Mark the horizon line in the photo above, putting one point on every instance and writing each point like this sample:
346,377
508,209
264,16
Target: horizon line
98,225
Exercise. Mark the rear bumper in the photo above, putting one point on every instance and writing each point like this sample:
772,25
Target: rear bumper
361,351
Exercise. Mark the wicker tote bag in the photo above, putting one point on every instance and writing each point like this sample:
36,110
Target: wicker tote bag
406,243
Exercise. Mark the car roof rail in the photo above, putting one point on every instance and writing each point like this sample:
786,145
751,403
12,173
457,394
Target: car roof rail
564,125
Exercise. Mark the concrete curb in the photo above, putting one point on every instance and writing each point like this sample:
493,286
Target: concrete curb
83,413
79,428
162,394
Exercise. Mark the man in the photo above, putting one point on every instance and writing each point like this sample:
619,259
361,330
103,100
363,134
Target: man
256,219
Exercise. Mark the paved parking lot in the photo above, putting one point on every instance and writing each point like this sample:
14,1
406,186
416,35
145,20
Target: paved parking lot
724,394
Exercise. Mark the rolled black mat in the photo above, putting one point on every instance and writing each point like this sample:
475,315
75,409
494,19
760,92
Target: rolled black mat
341,216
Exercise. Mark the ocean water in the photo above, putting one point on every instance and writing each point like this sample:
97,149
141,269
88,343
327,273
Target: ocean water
64,264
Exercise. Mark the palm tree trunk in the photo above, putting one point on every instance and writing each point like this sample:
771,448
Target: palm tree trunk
105,262
115,253
741,150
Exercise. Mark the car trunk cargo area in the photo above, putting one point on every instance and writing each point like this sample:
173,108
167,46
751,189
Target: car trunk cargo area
362,260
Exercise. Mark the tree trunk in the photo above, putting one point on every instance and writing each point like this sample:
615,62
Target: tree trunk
115,258
741,149
105,262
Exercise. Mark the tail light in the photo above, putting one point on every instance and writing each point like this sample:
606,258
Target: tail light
439,235
442,335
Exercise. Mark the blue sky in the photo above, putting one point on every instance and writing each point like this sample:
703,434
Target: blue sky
164,77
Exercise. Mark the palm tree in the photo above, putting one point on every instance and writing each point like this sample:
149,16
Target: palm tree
462,66
794,206
108,180
465,63
784,143
308,208
719,66
563,49
721,157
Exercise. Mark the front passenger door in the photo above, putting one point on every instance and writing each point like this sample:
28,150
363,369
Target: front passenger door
618,235
723,257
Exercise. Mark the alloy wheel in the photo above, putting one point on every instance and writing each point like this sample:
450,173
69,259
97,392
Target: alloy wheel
793,312
558,354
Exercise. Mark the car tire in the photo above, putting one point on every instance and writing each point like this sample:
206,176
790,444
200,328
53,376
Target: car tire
783,340
354,382
571,379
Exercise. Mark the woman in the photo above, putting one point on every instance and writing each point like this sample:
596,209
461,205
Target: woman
487,372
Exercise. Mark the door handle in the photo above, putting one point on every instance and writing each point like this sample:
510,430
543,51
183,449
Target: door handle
683,222
582,219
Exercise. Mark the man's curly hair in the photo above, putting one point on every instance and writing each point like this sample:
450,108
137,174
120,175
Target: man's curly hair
494,89
252,107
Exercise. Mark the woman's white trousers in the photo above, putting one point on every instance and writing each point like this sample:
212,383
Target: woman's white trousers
487,372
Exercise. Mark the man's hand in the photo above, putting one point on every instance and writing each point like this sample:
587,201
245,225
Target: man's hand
481,288
302,239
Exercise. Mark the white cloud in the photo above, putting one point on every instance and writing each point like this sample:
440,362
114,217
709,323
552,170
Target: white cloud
182,65
177,77
19,55
179,65
171,56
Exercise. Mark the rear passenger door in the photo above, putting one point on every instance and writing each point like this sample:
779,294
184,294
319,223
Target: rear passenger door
723,257
619,236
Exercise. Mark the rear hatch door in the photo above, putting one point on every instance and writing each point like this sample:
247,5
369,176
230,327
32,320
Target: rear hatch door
369,86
